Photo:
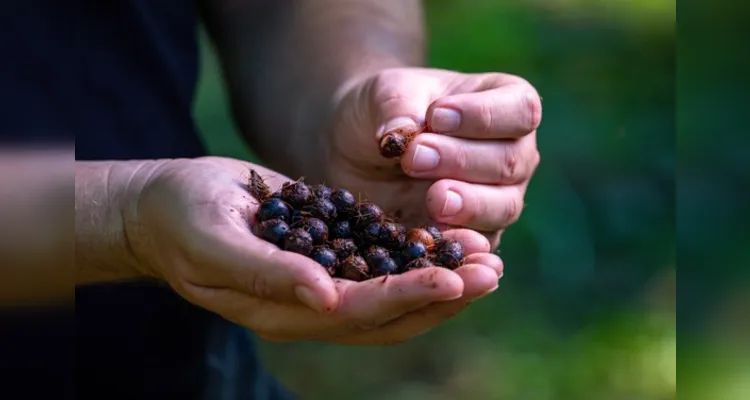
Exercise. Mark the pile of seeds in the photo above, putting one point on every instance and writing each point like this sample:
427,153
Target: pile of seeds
351,239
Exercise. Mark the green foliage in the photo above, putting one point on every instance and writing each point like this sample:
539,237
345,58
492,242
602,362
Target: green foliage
575,316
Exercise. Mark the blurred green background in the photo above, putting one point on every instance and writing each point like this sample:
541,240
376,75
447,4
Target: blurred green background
586,309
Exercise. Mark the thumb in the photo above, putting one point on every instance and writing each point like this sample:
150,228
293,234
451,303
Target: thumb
400,105
263,271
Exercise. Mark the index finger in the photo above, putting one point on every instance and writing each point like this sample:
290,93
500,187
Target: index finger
506,112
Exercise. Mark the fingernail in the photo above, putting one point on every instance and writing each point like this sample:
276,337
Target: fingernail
453,204
398,122
306,295
425,159
487,293
445,120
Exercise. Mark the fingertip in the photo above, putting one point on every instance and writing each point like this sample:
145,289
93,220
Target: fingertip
443,284
489,259
312,284
478,280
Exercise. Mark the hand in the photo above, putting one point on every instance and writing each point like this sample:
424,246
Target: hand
471,167
192,229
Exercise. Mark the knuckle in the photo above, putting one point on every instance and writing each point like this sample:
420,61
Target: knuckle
258,285
508,169
512,210
385,86
533,112
461,158
485,117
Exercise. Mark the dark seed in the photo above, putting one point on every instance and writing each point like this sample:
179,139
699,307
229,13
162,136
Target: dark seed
414,250
272,231
355,269
418,263
343,247
317,229
321,208
399,258
297,240
321,191
296,217
375,254
345,202
392,235
368,213
421,235
273,208
382,267
296,194
393,145
325,257
370,234
450,254
435,232
340,229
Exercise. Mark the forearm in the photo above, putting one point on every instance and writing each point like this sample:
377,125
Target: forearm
287,63
36,220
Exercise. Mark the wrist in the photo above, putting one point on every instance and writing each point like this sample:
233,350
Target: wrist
109,239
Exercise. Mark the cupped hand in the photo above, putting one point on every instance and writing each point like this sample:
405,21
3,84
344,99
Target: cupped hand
471,166
192,229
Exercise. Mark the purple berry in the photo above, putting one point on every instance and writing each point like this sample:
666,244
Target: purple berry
368,213
273,208
322,209
321,191
375,254
340,230
414,250
370,234
345,203
317,229
271,231
385,266
325,257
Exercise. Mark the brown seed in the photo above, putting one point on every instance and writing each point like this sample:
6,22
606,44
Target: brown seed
392,235
435,232
298,241
354,268
343,247
393,145
421,235
296,194
418,263
257,187
450,254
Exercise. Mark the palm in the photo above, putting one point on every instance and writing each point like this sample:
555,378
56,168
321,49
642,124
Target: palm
196,201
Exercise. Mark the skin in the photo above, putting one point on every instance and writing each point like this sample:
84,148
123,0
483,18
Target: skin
185,221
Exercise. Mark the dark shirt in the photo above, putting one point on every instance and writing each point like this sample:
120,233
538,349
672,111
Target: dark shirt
119,77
